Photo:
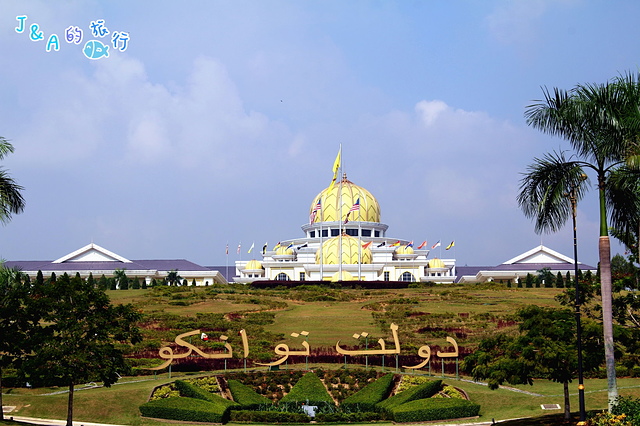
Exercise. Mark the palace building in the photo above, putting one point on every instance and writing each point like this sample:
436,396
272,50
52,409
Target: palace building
345,240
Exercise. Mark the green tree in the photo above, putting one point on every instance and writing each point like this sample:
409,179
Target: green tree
173,278
121,279
11,201
15,321
559,280
600,122
529,281
543,347
82,335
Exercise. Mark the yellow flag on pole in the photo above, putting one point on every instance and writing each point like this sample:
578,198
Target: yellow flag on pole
336,167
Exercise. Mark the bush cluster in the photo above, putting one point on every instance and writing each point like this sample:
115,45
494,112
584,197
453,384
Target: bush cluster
423,391
188,409
367,397
245,396
420,410
309,390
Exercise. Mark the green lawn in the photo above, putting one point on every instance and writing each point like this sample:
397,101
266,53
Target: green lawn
476,309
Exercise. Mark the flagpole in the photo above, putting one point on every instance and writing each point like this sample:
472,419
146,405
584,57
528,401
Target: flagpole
340,218
227,263
359,247
321,222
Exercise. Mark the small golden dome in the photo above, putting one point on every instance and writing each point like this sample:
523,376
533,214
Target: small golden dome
329,254
336,202
253,265
404,250
436,263
284,251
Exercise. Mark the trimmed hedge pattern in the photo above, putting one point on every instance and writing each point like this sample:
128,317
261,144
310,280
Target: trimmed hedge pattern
186,409
245,396
426,390
309,390
421,410
367,397
269,417
192,391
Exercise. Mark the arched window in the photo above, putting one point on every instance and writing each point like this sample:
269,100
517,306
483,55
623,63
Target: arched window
282,277
408,276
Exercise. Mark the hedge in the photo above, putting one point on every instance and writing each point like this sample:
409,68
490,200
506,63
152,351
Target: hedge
309,390
367,397
422,410
186,410
269,417
426,390
348,417
245,396
190,390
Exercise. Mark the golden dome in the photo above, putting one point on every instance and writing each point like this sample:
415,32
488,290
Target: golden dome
351,251
330,210
404,250
284,251
436,263
253,265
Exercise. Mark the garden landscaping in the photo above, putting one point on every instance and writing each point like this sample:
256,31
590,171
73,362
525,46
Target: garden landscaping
297,397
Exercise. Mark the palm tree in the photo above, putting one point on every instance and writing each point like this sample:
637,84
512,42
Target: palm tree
601,123
11,201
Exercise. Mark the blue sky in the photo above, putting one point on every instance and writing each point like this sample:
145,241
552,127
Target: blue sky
221,120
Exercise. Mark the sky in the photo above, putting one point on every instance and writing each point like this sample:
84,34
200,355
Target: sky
214,123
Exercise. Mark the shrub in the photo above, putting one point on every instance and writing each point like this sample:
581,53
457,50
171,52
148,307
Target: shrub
308,390
422,410
426,390
411,381
269,417
190,390
210,384
628,406
348,417
186,410
245,396
367,397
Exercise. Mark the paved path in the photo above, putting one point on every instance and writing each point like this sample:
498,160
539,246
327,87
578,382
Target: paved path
50,422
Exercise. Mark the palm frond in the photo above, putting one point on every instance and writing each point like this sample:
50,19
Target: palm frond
545,189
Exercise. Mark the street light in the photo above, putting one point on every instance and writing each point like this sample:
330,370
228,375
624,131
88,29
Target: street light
573,199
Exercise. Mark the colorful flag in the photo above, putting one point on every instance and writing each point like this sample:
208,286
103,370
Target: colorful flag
424,243
410,244
453,243
289,246
204,336
354,208
364,246
436,245
302,246
384,243
336,167
264,247
276,246
314,213
252,246
396,244
227,250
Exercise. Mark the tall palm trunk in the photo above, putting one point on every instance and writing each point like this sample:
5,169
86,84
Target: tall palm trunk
604,251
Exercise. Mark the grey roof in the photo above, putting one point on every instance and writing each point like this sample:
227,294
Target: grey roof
160,265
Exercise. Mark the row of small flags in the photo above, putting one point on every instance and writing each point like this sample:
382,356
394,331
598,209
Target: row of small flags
366,245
